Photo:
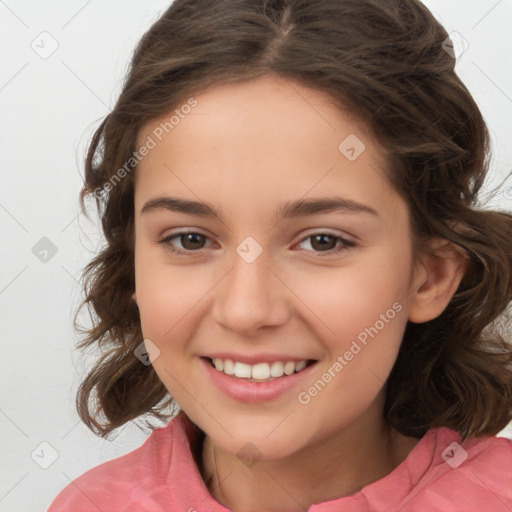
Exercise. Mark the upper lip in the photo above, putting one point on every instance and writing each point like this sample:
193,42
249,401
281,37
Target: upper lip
254,359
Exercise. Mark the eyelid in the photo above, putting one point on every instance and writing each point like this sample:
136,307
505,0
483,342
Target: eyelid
346,242
311,232
185,231
328,231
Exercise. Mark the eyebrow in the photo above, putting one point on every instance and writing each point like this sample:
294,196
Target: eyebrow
288,210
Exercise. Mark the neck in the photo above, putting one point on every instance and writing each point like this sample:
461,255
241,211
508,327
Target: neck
339,465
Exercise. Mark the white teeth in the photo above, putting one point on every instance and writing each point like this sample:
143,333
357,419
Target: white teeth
276,369
289,368
229,367
300,366
259,371
242,370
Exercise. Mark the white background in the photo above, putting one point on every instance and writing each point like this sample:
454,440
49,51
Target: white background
49,109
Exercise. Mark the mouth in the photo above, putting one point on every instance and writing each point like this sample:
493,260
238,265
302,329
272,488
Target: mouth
259,372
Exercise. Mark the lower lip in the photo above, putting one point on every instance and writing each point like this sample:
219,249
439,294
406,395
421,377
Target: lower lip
254,392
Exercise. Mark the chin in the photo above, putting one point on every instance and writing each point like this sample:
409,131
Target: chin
260,442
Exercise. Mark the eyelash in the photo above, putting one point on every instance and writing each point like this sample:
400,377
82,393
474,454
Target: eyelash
346,244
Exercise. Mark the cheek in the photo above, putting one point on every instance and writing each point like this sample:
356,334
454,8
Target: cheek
159,307
167,295
169,301
360,312
348,299
367,317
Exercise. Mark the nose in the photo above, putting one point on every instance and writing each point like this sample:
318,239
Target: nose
251,297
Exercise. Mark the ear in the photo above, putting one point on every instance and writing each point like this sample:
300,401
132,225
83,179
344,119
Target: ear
436,280
134,297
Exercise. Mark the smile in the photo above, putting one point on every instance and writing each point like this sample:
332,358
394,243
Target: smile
245,388
262,372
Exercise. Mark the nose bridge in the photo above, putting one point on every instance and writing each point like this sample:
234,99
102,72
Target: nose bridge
250,296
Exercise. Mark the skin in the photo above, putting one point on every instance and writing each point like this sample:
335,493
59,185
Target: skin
245,149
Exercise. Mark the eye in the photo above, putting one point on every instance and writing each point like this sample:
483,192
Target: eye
191,242
327,243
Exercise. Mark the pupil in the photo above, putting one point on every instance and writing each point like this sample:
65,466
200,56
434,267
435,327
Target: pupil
322,237
193,237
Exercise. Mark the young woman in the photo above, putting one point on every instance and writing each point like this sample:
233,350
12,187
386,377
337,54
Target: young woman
295,261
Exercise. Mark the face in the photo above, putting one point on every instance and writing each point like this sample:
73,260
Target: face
264,281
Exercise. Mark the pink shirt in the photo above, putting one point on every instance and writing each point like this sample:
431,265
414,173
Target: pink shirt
162,475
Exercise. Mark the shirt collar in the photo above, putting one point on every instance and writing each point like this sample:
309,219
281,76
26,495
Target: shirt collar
388,491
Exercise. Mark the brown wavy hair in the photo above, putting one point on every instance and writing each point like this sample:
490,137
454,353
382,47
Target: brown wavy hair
384,62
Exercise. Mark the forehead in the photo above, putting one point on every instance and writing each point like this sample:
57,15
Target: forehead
265,139
270,111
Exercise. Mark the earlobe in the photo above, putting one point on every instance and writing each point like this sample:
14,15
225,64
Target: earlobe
439,278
